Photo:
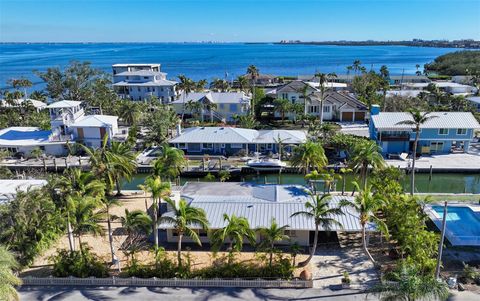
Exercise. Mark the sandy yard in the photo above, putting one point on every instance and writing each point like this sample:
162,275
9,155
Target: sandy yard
42,265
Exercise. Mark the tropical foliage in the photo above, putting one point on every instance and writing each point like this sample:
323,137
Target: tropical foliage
8,280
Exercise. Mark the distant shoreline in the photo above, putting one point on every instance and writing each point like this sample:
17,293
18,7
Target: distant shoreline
461,44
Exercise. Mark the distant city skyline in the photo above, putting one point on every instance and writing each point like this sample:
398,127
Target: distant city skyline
237,21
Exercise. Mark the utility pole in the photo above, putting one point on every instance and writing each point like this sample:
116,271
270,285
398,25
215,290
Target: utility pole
440,246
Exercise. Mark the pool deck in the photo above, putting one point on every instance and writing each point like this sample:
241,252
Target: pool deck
461,162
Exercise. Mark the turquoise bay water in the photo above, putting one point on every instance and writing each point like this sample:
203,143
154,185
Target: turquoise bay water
441,183
213,60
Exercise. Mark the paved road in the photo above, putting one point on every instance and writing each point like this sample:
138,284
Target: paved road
198,294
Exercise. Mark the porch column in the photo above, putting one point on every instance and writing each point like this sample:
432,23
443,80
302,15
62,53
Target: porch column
353,116
466,146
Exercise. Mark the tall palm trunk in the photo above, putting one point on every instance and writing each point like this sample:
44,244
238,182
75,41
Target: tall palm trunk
412,179
314,248
344,183
321,109
110,234
364,244
271,256
155,221
71,239
179,249
364,174
117,184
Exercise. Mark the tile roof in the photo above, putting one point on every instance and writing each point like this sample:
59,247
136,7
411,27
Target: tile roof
444,120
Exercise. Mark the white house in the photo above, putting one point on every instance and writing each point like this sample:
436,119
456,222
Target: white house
68,123
10,188
449,87
259,204
475,101
142,81
226,105
38,105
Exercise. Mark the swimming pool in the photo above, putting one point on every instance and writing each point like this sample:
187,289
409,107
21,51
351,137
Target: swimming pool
463,223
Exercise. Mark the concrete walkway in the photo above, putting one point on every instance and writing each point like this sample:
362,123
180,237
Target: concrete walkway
329,265
460,162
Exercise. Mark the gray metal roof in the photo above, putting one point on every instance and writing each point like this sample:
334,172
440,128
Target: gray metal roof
238,135
215,97
260,203
444,120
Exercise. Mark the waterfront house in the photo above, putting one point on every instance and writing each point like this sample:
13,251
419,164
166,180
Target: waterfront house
232,141
337,106
446,86
9,188
396,80
18,103
219,106
262,80
445,133
259,204
475,102
68,123
141,82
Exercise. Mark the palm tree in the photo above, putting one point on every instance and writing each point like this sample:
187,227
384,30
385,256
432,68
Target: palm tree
367,204
122,159
320,211
295,249
200,85
409,284
243,84
108,202
366,154
254,73
356,66
8,280
308,156
416,121
159,190
270,235
186,86
185,219
343,172
323,82
236,230
210,107
77,184
220,85
135,222
282,106
170,163
194,107
129,111
85,217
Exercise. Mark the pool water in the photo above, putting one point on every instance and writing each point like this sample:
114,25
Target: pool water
462,222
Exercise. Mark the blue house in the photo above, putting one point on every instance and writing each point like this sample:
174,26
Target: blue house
445,133
234,141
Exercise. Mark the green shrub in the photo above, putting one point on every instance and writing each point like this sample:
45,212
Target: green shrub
80,264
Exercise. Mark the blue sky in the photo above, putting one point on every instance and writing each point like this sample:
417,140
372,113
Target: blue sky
234,20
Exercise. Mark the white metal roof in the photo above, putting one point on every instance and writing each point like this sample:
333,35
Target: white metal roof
216,135
64,104
9,188
36,103
475,99
95,121
140,73
260,203
238,135
160,82
443,120
215,97
135,65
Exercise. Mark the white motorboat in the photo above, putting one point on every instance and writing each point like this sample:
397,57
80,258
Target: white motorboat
266,164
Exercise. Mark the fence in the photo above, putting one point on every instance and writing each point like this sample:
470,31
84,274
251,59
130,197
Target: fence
174,282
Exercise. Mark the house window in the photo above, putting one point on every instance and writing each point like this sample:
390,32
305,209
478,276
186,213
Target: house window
291,233
138,89
313,109
148,89
236,145
194,147
233,107
222,106
207,145
436,147
222,145
461,131
326,109
269,146
285,95
145,77
182,146
443,131
294,98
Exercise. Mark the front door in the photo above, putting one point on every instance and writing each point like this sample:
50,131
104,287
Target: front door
80,133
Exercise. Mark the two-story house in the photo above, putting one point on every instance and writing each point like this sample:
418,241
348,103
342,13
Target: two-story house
444,133
213,105
337,106
142,82
68,124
